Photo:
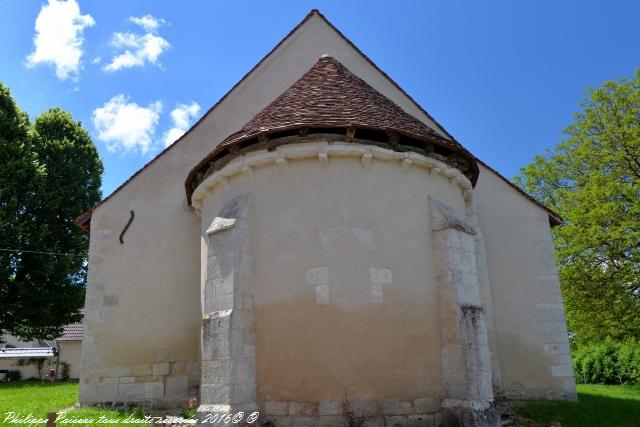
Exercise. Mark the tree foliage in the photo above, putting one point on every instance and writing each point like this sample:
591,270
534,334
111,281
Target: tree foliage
592,179
50,172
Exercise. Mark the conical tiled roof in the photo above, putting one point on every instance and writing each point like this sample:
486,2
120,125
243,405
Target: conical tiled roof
331,95
332,99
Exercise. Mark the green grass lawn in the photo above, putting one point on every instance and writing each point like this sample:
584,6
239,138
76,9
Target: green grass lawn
598,405
37,398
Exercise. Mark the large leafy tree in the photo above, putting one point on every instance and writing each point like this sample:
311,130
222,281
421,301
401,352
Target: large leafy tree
50,172
593,180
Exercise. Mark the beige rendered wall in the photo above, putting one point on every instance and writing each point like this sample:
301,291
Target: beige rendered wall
142,295
28,371
70,352
529,317
345,219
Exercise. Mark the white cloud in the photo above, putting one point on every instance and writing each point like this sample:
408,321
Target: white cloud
147,22
137,49
58,39
126,126
181,117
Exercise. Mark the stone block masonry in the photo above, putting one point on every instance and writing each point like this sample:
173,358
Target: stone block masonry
320,277
466,359
164,385
228,375
323,152
364,412
551,320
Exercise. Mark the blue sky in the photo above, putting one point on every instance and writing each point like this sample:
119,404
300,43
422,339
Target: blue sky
503,77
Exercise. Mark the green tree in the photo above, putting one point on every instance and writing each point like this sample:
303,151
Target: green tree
592,179
50,172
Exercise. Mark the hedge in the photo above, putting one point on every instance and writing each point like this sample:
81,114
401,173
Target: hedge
608,362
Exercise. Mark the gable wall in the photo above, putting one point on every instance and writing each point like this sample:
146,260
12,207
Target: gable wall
528,313
143,296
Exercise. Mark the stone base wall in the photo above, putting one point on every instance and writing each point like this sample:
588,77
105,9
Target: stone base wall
161,384
364,412
528,393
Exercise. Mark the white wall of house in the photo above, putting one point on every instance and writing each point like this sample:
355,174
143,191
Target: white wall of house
28,371
70,352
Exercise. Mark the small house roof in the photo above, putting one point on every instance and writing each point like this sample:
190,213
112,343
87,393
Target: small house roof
72,332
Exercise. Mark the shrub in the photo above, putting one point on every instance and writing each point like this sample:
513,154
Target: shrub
13,375
608,362
629,361
65,371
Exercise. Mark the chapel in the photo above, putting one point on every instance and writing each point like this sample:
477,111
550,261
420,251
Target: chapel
317,248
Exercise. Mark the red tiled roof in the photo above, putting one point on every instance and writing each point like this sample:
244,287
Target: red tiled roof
330,96
72,332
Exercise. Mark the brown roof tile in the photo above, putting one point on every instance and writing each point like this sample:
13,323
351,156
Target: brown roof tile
72,332
331,96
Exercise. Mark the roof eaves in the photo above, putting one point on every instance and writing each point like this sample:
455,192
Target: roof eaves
554,218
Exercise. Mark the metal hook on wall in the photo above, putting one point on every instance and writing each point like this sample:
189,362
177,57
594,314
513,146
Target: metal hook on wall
126,227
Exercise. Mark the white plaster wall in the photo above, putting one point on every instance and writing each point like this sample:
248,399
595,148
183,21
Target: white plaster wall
141,295
351,343
70,352
528,314
28,371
